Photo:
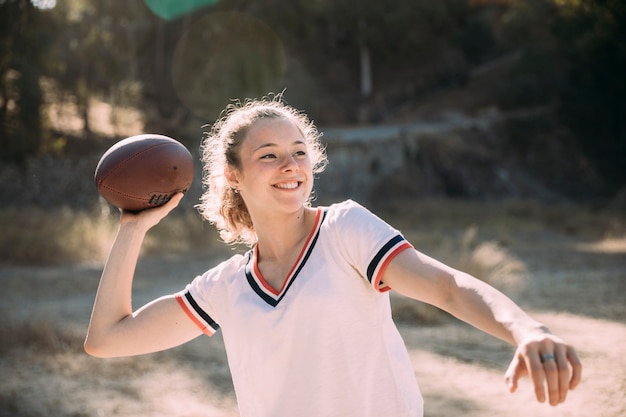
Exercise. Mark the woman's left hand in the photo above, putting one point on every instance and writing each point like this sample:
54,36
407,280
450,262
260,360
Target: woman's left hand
550,363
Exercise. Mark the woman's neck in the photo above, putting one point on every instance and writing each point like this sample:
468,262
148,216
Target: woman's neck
279,235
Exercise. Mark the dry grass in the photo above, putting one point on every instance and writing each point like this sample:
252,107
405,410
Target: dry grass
40,335
488,261
49,374
44,237
470,236
608,245
474,237
182,232
504,219
33,236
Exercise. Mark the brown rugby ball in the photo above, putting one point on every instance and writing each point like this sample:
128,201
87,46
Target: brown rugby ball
144,171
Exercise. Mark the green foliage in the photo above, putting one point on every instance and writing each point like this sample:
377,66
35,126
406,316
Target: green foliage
24,39
574,58
97,51
399,35
180,70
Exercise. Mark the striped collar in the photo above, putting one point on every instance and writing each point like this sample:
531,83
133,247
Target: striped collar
258,283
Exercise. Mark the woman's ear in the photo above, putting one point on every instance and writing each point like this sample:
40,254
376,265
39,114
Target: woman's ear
231,176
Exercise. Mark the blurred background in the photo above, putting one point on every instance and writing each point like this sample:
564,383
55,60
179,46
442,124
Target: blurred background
491,132
481,100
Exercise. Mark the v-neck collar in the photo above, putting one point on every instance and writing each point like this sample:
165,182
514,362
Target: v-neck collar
258,283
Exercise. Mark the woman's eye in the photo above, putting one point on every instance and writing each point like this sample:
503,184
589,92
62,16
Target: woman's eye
300,153
268,156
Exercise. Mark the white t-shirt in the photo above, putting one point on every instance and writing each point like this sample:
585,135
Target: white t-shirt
324,345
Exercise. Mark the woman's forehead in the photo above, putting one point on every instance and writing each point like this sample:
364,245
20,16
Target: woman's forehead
272,130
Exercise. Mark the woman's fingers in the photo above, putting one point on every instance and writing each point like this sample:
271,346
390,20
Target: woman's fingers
553,367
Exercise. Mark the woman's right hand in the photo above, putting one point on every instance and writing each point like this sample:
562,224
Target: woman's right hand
149,218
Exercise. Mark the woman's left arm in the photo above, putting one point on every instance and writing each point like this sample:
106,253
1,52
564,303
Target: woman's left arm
549,361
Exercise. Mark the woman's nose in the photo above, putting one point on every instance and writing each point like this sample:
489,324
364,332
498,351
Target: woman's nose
290,163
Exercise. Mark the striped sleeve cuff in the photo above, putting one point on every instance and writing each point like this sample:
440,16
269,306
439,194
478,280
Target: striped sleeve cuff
197,314
379,263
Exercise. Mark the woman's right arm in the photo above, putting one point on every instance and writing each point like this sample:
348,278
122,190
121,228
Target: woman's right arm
115,329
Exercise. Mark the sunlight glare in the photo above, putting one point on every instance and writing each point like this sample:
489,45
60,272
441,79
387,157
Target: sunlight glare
44,4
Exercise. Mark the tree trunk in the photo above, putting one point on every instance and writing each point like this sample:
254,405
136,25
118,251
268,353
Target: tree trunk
366,71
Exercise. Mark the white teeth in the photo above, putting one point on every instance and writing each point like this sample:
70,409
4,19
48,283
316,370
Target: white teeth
287,185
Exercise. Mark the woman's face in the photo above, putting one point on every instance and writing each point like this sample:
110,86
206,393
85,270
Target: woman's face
275,169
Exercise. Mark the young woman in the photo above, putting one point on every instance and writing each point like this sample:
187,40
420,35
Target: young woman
305,314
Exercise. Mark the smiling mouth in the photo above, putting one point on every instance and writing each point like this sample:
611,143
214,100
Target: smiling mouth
292,185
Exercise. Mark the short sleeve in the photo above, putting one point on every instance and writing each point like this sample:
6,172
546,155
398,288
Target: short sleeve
203,298
193,300
366,241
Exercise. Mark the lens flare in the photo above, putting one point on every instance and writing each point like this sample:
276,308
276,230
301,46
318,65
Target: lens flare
223,56
172,9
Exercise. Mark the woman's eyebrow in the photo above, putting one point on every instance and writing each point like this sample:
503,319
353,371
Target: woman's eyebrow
271,144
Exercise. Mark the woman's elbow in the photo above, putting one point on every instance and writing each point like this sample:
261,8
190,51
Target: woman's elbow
95,348
91,348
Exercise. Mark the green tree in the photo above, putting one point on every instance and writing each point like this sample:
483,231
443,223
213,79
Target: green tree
97,52
24,41
575,59
371,52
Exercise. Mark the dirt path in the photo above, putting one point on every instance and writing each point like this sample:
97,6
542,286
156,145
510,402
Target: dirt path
575,287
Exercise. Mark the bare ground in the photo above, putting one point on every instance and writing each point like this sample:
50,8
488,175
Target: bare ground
575,286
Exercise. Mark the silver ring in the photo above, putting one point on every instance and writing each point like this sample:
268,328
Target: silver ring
547,357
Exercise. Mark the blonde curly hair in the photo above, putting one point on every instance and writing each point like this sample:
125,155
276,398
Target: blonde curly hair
220,204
